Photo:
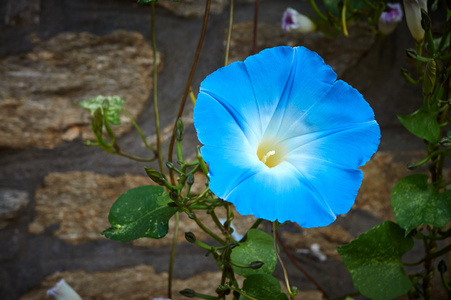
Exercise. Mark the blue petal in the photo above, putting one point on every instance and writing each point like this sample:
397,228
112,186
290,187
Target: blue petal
348,146
231,87
342,128
290,96
335,184
309,81
268,74
216,126
226,149
229,167
282,193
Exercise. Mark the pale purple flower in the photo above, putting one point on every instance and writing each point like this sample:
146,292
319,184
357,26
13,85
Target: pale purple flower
63,291
292,20
389,19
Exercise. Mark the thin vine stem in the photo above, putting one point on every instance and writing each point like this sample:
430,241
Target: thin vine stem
229,34
285,274
300,268
121,152
155,84
206,230
141,134
172,258
343,19
188,83
254,36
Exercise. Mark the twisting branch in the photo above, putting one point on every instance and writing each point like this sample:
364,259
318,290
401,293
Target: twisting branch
188,83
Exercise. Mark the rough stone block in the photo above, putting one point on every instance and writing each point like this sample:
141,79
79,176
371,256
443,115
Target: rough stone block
340,53
40,90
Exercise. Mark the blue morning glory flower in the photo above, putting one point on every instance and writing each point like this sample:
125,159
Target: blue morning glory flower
283,138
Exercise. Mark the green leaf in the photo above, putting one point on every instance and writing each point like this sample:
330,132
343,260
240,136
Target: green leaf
422,123
115,104
374,261
415,203
263,287
258,246
140,212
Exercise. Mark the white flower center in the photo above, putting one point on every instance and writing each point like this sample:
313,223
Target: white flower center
265,158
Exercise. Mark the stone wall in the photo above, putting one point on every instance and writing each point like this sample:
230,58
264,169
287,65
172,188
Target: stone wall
55,194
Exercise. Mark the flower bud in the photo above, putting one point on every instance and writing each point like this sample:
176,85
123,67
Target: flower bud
63,291
190,180
189,293
412,9
179,130
174,194
156,176
256,265
426,22
293,20
430,75
190,237
411,53
389,19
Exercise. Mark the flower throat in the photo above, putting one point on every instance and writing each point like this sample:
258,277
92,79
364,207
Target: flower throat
270,153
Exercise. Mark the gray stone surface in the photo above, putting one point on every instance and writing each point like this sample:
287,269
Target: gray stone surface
22,12
192,8
40,90
196,8
30,262
12,203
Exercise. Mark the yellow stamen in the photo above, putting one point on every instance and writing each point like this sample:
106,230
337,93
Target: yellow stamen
271,152
265,158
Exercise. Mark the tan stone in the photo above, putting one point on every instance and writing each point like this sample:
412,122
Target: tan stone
80,202
309,295
380,175
340,53
136,283
40,90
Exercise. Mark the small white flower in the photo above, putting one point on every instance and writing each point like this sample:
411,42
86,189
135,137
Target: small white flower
412,9
63,291
293,20
389,19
